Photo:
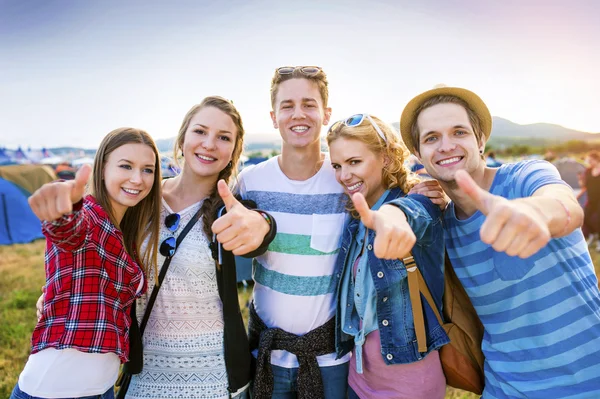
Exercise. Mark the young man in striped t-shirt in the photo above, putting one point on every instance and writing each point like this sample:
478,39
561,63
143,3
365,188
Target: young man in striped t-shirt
513,236
296,280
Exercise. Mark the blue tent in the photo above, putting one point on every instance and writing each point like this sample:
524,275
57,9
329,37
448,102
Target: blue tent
18,223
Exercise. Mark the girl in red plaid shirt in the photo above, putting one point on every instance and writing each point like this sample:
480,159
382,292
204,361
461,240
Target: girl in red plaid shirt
93,273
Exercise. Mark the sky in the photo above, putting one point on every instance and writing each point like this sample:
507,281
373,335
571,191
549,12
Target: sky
71,71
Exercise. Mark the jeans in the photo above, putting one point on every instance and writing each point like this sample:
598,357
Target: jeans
352,394
335,382
18,394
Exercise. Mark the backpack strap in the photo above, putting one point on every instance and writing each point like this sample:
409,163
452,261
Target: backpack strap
416,287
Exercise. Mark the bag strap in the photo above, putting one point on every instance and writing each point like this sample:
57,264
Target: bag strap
416,287
164,268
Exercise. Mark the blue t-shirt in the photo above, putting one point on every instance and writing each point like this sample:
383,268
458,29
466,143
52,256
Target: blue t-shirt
541,315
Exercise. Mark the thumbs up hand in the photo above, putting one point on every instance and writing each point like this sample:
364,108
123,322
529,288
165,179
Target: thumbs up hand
516,227
394,237
54,200
240,230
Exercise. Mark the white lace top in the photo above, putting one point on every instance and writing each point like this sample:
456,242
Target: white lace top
183,340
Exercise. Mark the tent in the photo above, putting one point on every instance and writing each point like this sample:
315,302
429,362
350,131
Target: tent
18,223
28,177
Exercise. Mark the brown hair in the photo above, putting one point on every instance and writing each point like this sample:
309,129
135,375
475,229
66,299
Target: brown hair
445,99
595,155
213,202
396,173
320,79
142,220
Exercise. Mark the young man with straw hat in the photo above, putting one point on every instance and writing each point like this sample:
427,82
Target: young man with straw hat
513,236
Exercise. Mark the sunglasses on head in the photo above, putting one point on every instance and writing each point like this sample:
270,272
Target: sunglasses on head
168,246
306,70
356,120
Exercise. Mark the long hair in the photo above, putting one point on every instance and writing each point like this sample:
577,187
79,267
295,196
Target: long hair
142,220
396,173
213,202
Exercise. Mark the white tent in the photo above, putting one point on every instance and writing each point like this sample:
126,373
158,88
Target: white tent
51,160
81,161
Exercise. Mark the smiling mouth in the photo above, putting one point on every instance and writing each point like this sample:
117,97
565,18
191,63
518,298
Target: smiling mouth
299,129
354,187
449,161
130,191
205,158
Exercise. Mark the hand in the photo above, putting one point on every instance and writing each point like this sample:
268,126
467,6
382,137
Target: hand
432,190
241,230
394,237
39,305
515,227
54,200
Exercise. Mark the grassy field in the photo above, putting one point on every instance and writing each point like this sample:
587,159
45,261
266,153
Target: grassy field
21,279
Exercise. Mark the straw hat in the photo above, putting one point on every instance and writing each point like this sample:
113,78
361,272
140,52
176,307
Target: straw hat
473,101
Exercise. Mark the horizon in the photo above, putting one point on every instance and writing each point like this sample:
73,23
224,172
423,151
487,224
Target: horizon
73,71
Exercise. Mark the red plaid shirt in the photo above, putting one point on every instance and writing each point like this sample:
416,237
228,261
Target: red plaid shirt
91,283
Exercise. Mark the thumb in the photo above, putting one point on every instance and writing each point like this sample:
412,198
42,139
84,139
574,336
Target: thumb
81,178
226,195
481,198
365,213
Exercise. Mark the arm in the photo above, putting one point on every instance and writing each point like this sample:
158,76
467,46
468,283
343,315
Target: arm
559,206
421,215
521,227
398,224
59,206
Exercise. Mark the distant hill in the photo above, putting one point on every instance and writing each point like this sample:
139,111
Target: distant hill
505,132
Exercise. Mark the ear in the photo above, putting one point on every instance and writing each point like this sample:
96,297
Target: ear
482,146
327,116
274,119
386,161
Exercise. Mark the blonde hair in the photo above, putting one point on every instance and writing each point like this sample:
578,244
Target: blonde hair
213,202
142,220
320,79
396,173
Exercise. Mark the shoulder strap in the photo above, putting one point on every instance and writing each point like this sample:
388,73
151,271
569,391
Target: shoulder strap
416,287
163,270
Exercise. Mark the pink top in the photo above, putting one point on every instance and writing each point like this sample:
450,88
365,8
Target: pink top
419,380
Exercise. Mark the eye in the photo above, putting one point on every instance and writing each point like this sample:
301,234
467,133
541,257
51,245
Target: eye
354,162
199,131
225,138
125,166
310,106
287,106
149,171
429,139
335,166
461,132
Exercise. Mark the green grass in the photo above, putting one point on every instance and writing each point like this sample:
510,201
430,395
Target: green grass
21,279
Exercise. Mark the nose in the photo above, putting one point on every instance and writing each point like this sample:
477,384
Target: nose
446,144
210,142
136,176
345,174
298,113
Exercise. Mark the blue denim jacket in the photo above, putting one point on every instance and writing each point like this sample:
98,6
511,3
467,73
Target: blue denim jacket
393,307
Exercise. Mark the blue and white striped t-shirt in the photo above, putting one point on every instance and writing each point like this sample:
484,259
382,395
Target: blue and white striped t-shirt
294,280
541,315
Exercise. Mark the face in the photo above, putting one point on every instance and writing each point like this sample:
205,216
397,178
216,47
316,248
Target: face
447,142
299,113
129,176
357,168
209,142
